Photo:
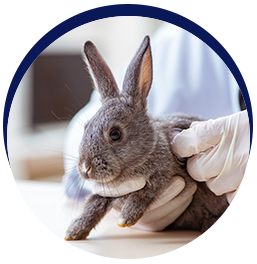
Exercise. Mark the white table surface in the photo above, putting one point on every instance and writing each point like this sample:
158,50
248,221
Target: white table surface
49,203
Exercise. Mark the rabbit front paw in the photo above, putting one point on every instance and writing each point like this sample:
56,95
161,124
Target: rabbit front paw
77,230
126,222
132,210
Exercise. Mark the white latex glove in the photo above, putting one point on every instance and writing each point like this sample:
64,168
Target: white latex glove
222,147
172,203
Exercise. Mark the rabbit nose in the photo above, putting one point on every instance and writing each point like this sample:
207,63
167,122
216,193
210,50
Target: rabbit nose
89,171
87,168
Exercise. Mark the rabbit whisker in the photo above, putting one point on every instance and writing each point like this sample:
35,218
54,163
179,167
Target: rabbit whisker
62,193
76,99
58,118
103,185
115,187
74,95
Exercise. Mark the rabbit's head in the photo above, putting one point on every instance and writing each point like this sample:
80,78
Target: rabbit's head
120,135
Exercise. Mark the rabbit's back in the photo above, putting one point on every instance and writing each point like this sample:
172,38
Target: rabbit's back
176,120
206,207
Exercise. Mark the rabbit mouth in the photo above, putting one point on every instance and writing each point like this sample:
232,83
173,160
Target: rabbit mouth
89,173
104,180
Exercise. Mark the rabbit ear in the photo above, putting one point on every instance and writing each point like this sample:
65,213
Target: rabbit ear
101,74
138,77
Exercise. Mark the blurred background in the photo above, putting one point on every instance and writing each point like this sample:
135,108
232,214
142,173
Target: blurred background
57,85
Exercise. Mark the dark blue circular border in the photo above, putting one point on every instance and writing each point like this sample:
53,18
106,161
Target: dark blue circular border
231,33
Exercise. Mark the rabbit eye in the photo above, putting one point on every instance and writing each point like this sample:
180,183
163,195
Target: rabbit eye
115,135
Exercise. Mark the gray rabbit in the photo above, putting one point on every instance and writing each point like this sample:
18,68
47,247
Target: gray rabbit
123,142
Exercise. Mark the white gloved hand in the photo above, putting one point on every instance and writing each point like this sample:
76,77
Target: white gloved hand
222,147
168,207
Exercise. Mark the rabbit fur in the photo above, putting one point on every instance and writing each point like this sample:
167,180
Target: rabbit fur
143,150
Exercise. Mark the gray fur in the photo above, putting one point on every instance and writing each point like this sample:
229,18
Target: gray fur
144,150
